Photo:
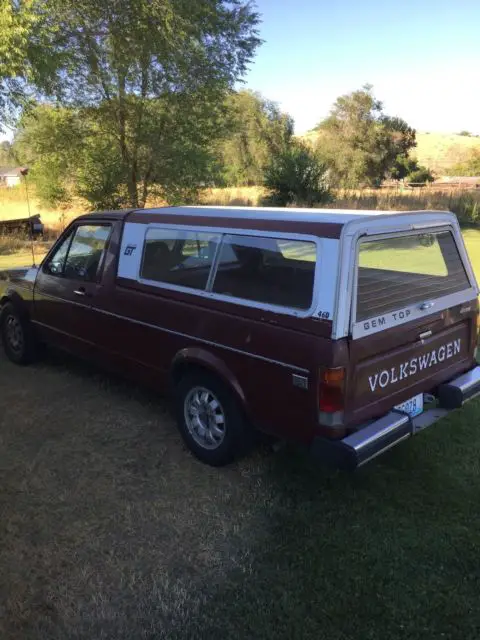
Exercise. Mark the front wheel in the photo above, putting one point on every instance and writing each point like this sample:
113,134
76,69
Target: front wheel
211,420
17,335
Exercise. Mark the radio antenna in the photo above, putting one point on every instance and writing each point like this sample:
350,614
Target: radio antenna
24,173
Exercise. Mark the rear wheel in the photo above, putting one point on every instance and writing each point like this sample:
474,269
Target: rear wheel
211,420
17,335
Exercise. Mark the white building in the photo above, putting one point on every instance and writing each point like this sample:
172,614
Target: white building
10,177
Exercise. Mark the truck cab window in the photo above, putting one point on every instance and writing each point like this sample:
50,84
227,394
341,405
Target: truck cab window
56,264
79,258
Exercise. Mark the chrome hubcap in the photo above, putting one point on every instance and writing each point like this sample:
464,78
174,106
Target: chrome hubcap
204,418
14,333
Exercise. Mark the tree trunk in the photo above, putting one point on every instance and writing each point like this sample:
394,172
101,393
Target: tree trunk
145,185
129,162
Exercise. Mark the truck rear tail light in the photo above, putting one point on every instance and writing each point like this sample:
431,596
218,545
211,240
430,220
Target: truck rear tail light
331,390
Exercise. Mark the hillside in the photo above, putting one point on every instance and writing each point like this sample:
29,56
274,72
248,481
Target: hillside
440,151
437,151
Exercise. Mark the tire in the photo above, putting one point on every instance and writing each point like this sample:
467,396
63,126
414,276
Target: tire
17,335
210,419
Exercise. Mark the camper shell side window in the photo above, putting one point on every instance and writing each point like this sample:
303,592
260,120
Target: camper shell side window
268,270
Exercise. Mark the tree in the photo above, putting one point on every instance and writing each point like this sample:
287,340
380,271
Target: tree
26,59
15,25
74,152
402,167
50,141
360,142
7,154
256,130
420,176
465,133
296,175
153,75
408,169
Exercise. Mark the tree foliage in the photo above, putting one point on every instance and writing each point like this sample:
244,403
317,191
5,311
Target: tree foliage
27,62
408,169
360,142
402,167
73,151
7,154
420,176
256,130
296,175
149,79
15,26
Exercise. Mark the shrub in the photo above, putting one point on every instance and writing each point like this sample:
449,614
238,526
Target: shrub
297,176
421,175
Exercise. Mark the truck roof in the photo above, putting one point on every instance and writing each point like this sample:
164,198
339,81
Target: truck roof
321,222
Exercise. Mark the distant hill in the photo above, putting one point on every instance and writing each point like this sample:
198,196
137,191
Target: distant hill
437,151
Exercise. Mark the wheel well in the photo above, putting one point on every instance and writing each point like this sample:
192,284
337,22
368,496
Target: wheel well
180,369
183,367
4,301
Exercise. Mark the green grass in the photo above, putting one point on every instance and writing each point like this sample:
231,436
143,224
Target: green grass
472,242
111,530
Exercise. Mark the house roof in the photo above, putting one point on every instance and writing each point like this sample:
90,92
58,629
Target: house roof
11,172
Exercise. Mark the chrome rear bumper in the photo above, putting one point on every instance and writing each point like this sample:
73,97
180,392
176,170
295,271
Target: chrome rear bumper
372,440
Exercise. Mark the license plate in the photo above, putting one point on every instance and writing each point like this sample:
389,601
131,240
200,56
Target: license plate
413,407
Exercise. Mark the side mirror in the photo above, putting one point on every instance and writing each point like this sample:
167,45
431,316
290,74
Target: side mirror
54,268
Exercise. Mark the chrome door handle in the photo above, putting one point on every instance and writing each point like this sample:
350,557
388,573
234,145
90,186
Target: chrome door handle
427,305
80,292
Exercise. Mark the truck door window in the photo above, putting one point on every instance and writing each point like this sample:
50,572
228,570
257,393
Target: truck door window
56,264
178,257
86,251
79,258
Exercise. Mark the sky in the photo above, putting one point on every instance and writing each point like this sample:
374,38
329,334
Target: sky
422,58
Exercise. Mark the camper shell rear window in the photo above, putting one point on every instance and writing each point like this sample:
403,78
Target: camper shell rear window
398,271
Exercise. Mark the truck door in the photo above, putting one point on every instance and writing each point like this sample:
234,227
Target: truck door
67,285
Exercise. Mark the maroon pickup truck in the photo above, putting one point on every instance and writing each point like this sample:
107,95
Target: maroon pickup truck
348,331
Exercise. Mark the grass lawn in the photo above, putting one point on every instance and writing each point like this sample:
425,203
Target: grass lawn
472,241
20,254
109,529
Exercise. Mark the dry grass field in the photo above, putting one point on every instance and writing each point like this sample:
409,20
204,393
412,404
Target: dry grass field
13,204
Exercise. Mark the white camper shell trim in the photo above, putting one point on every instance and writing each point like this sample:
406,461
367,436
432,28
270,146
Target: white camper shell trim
391,225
